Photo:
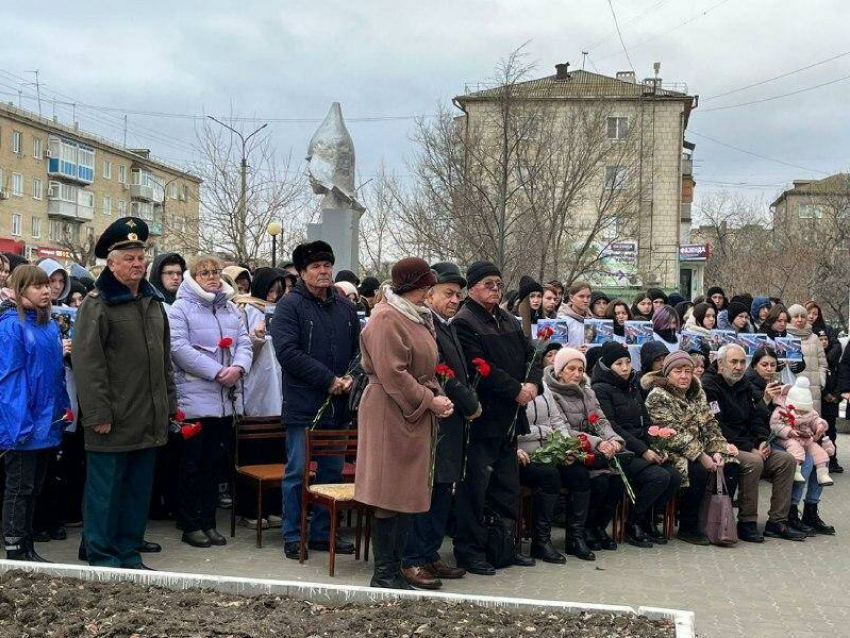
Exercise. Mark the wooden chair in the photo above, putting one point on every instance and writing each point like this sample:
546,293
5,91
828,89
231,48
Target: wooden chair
262,476
670,513
335,496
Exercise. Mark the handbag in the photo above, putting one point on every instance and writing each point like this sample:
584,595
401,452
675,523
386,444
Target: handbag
716,518
500,545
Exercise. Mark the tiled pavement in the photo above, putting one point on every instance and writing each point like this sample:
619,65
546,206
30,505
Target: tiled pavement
778,589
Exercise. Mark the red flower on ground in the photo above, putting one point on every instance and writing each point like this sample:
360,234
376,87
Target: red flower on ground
190,429
69,415
180,416
482,367
225,342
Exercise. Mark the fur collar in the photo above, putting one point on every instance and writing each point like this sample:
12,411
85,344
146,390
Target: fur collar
113,292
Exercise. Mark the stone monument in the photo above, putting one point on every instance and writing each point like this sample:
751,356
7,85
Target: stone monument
330,166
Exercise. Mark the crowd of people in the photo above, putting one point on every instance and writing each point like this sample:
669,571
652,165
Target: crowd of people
463,407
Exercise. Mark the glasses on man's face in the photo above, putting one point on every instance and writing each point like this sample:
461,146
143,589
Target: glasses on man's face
209,273
492,285
171,273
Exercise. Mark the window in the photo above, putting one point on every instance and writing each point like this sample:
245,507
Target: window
36,227
16,224
616,177
185,194
37,188
122,207
810,211
85,170
37,147
122,174
17,184
107,205
618,128
16,141
85,198
54,230
173,190
2,183
107,170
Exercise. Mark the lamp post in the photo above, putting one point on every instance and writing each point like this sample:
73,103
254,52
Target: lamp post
274,230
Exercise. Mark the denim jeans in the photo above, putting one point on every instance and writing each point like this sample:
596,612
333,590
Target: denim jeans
814,489
329,470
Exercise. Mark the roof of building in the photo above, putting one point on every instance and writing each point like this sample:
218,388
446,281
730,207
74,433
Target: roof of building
52,126
577,84
838,184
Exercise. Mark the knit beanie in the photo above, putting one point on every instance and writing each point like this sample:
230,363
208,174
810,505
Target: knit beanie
676,359
612,351
369,287
479,270
800,396
564,356
347,275
347,288
527,285
656,293
797,310
736,308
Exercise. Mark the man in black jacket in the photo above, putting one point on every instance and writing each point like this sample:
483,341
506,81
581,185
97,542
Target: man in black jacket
421,565
492,475
744,420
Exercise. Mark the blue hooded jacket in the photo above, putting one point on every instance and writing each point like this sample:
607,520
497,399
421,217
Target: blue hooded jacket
33,398
758,304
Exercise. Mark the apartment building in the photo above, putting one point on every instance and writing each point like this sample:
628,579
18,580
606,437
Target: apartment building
652,117
816,210
60,187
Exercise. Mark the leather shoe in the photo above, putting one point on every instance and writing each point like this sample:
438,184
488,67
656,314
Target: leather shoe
441,570
141,566
749,533
694,537
292,550
523,561
478,567
196,539
635,535
148,547
215,537
342,546
782,530
420,578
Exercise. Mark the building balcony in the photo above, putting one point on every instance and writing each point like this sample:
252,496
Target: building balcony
141,191
69,210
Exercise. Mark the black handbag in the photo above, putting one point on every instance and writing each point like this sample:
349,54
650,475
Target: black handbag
500,546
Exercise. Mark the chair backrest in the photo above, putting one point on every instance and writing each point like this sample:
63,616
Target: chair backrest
327,443
252,428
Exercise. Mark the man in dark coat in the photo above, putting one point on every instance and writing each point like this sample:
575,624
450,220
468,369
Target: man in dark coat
744,420
316,336
125,383
492,476
166,274
421,565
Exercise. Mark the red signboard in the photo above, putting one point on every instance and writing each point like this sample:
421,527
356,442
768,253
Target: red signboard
46,251
12,246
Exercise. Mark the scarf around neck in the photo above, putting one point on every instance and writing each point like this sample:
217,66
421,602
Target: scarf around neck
417,314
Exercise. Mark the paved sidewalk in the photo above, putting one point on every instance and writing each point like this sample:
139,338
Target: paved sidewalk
779,589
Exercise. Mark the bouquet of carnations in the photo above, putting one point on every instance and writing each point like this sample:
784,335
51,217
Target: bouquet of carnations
660,437
558,448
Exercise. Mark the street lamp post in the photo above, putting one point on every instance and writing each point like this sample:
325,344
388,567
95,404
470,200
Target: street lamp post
241,223
274,230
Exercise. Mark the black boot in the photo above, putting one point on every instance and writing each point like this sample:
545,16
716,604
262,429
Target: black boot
795,523
813,520
541,543
835,466
383,537
603,518
402,527
635,534
83,553
651,527
576,518
16,549
34,555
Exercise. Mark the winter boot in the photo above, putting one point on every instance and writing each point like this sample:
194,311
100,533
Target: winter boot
794,521
541,543
813,519
834,465
635,534
824,479
16,549
383,537
603,518
577,507
402,527
33,555
798,475
651,526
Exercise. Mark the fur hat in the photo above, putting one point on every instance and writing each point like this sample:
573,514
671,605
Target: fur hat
310,253
800,396
411,273
564,356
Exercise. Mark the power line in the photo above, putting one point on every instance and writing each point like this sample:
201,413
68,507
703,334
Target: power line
631,20
754,154
777,77
620,35
776,97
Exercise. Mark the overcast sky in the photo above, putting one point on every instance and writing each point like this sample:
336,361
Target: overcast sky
291,59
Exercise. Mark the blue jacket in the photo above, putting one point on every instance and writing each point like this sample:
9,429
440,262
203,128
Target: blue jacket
33,398
315,340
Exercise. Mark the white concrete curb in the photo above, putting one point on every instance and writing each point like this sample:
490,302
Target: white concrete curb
322,593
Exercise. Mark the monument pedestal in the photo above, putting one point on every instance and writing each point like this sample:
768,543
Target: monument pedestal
340,228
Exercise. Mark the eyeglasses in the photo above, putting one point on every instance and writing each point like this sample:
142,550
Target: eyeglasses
209,273
493,285
172,273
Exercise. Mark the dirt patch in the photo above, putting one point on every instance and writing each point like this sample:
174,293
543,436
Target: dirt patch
36,606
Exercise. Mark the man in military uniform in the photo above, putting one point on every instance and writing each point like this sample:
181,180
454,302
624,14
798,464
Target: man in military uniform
125,383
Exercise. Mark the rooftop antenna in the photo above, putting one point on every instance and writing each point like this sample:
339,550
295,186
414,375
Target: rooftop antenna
583,58
37,90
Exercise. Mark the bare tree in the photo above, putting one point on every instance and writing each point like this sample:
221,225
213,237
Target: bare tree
79,246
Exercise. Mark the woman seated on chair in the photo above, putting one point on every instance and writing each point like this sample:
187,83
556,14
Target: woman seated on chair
652,475
676,400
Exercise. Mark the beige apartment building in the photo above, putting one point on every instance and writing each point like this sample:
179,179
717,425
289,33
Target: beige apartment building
817,210
652,117
61,187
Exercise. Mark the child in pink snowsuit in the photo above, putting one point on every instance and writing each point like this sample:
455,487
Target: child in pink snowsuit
800,430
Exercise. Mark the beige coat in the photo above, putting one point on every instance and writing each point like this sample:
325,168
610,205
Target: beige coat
815,359
395,420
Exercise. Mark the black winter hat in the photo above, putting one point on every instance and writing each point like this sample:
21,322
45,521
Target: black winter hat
448,273
479,270
347,275
649,352
736,308
527,285
597,295
310,253
746,299
369,287
612,351
714,290
657,293
263,280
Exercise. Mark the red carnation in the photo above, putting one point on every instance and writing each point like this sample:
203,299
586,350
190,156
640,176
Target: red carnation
180,416
482,367
225,342
443,370
589,459
191,429
593,418
545,333
69,415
